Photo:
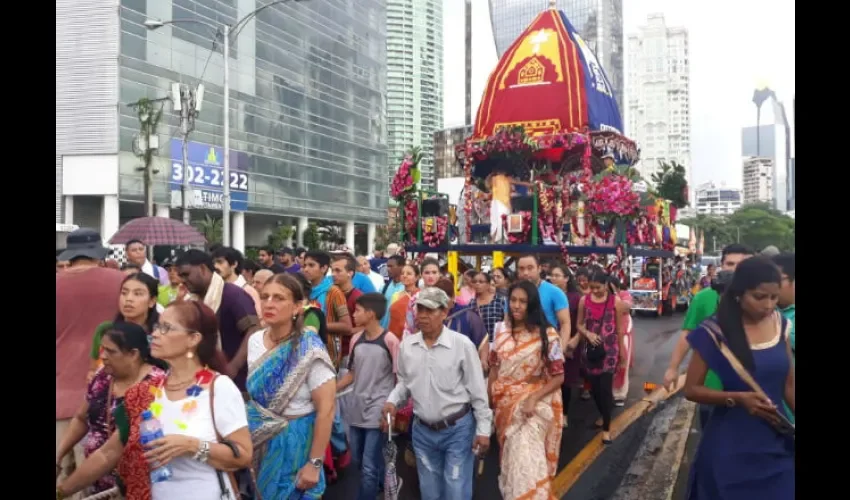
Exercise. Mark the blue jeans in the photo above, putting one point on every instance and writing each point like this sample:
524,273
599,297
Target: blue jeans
338,438
444,460
366,446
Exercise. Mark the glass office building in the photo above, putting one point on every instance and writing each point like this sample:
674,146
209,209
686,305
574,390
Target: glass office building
307,104
599,22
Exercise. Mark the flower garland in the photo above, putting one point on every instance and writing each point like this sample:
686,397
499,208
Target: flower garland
434,235
522,237
411,218
407,175
203,378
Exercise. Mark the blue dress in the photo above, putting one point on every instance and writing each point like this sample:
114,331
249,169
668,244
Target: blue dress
740,456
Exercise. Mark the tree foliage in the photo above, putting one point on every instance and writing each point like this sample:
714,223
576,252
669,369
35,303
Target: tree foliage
757,226
671,183
281,236
312,239
211,228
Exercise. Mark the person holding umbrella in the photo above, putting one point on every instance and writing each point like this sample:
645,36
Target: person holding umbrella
453,419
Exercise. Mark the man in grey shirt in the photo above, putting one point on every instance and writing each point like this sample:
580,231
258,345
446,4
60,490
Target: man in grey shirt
439,368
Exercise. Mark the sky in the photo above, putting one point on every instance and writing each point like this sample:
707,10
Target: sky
735,46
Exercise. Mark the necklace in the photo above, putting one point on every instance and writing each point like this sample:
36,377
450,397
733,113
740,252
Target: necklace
203,378
278,341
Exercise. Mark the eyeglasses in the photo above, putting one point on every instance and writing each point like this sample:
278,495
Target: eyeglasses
166,328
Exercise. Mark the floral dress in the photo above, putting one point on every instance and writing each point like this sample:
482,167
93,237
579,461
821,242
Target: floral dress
100,422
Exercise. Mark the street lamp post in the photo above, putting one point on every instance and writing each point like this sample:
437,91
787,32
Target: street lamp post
225,31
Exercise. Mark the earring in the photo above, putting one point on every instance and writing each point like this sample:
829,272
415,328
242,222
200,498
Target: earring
294,317
190,354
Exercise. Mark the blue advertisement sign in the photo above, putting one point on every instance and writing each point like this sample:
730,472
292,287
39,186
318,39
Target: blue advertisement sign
206,176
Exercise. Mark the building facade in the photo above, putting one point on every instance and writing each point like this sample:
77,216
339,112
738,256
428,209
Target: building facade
717,200
599,22
414,81
758,180
658,111
307,111
445,142
769,141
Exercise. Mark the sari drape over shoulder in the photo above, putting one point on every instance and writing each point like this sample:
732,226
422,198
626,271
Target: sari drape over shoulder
529,446
282,444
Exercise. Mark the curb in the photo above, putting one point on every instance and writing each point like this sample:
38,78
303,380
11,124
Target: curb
570,474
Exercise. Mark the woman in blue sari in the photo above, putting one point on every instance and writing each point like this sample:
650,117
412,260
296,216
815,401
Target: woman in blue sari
292,384
743,455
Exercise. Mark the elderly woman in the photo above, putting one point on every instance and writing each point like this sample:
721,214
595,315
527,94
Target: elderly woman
126,358
202,416
292,384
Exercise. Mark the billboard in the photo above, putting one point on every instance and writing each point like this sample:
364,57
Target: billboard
206,176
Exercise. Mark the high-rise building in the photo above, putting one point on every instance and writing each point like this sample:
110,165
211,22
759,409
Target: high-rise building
658,111
758,181
414,80
445,142
307,112
717,200
769,141
599,22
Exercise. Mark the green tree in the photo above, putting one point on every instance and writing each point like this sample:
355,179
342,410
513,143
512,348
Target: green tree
211,229
671,183
760,225
281,236
312,238
386,234
715,228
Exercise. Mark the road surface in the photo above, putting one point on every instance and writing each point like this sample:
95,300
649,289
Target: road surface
654,341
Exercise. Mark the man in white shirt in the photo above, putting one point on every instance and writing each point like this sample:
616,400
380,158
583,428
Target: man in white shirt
364,267
439,368
137,254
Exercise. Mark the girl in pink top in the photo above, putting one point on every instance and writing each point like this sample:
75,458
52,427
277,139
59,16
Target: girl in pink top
621,377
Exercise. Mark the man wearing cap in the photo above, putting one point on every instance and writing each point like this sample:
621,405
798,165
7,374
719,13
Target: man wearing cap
440,370
86,296
286,258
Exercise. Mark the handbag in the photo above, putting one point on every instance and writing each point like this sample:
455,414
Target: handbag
595,354
243,482
785,426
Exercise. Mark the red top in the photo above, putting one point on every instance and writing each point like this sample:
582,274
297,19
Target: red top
85,298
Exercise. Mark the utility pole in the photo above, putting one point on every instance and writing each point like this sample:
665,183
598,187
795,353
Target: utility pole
188,102
146,144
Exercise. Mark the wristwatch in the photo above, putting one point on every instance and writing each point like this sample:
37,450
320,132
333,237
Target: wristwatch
730,403
317,463
203,453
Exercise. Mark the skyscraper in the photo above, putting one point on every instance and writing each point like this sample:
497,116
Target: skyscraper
599,22
414,80
658,116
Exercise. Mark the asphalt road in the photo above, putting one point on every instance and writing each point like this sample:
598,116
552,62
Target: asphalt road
654,341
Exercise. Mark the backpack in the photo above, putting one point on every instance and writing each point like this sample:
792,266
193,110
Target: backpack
380,341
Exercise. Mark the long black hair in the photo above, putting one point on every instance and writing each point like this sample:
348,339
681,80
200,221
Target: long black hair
130,336
152,285
749,274
534,316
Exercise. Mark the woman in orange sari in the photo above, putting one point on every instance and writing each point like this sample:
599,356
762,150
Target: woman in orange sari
526,373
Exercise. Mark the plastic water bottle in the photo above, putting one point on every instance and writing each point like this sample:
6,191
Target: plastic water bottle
151,430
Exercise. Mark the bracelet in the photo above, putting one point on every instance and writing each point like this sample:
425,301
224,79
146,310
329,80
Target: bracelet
203,453
59,494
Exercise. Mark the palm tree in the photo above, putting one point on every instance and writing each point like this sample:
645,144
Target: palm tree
671,183
211,229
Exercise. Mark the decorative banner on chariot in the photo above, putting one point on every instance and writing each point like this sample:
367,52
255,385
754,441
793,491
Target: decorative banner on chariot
548,81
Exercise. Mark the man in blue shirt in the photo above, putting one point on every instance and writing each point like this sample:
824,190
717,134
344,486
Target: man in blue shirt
393,286
553,299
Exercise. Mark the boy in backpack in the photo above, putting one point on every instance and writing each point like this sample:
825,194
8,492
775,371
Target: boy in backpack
372,366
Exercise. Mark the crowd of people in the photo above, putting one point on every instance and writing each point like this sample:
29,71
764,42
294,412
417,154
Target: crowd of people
273,376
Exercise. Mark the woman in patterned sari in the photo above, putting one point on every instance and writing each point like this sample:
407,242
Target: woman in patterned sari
526,373
292,384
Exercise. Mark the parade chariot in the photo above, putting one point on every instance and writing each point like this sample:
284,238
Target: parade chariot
547,168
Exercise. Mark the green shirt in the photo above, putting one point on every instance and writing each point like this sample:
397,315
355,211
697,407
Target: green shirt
702,307
167,294
98,335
